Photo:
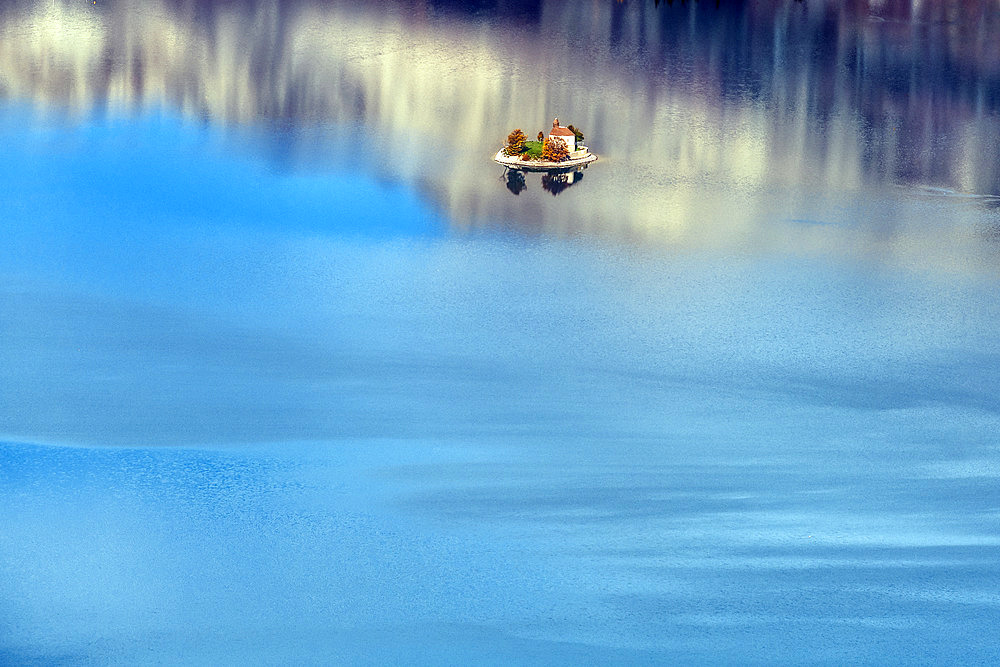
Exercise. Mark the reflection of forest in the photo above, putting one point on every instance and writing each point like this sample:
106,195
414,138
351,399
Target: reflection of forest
743,96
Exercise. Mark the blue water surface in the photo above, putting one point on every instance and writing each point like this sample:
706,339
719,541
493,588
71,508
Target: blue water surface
268,397
337,446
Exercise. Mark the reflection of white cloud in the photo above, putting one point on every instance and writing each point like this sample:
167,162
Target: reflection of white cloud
56,48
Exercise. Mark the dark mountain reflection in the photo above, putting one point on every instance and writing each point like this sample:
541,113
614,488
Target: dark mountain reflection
700,111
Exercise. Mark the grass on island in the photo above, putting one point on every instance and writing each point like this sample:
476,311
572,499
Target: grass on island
533,149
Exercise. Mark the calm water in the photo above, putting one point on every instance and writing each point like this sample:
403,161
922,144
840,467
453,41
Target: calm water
290,371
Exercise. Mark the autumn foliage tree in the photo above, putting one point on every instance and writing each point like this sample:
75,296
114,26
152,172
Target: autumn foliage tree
515,142
555,149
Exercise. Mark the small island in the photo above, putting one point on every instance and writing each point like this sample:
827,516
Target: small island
562,149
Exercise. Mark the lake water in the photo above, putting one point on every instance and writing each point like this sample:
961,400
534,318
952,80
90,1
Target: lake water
292,372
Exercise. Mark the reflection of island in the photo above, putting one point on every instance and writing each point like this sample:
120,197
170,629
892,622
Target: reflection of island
553,182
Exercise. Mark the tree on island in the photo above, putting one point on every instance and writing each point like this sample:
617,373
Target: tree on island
555,150
541,136
515,142
578,133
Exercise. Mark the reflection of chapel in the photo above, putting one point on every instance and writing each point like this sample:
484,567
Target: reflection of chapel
564,134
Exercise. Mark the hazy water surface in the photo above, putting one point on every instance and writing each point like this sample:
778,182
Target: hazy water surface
290,371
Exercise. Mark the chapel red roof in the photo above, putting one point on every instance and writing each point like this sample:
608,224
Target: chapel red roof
560,131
